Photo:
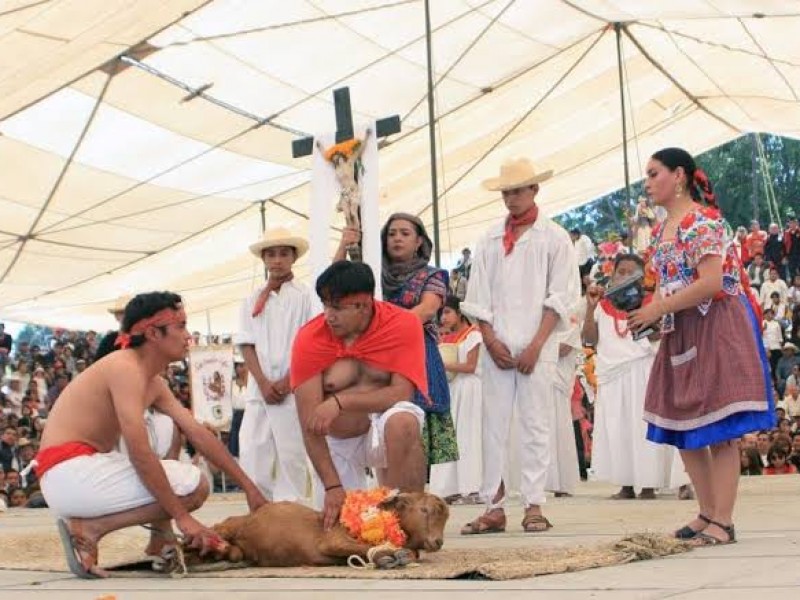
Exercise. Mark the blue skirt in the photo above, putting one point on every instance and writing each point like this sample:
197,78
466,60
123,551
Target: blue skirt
438,387
734,425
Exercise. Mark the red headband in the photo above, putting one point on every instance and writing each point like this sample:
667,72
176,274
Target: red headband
164,317
352,299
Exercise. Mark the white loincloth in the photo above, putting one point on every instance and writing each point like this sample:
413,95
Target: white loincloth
352,456
106,483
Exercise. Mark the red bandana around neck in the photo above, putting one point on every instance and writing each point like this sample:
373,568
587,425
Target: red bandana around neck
393,342
510,237
457,337
273,285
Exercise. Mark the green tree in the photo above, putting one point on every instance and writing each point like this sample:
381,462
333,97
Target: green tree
739,176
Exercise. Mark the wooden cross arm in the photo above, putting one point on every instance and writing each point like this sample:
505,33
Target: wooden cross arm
383,128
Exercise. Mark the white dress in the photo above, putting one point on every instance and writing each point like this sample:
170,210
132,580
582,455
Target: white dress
466,401
563,474
621,454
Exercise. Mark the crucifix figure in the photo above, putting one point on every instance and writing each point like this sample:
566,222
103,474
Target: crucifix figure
345,158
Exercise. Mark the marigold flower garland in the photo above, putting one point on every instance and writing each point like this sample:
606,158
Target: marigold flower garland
346,149
368,523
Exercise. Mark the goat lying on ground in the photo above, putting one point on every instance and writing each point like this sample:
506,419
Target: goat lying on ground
287,534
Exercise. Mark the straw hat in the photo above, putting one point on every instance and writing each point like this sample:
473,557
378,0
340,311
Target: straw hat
516,173
279,237
119,304
790,346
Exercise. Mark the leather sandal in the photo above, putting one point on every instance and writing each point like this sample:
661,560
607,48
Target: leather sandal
489,522
80,551
535,523
687,533
706,539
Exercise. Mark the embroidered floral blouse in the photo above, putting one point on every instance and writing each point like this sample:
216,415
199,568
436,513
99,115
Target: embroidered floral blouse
701,232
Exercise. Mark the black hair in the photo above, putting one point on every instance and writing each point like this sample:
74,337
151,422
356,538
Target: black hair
344,278
776,449
425,248
754,462
623,256
696,180
454,303
146,305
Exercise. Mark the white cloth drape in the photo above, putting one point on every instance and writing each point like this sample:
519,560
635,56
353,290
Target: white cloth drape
325,195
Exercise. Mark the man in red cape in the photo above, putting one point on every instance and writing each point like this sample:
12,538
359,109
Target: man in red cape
354,372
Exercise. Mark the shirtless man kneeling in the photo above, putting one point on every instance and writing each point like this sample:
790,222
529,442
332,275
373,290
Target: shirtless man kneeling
93,488
354,371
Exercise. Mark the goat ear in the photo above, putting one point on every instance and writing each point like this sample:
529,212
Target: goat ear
394,501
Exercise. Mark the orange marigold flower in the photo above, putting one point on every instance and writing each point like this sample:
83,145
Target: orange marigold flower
366,522
346,149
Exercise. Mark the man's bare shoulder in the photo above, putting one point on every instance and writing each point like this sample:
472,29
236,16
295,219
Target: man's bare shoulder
123,365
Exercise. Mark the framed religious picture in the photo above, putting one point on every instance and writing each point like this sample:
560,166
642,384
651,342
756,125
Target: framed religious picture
210,375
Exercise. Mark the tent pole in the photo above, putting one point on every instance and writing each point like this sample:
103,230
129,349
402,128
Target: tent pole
263,210
618,32
754,176
432,134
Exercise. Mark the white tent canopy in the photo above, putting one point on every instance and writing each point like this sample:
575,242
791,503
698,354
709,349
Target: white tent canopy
138,138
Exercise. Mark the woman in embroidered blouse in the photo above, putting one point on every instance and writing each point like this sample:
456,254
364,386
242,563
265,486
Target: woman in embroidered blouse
710,380
408,281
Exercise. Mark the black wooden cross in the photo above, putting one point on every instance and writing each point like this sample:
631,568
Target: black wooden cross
344,124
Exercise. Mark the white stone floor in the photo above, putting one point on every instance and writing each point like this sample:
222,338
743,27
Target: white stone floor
765,561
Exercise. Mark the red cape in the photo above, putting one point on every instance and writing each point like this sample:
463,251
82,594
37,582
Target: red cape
393,342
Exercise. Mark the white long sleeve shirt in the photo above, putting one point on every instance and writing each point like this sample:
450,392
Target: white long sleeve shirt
273,331
511,292
779,285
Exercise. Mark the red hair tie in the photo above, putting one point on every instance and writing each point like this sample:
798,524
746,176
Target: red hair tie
702,181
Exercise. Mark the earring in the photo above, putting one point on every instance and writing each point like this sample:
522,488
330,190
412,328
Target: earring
679,190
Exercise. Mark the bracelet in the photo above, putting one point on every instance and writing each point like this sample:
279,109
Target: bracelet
333,487
338,403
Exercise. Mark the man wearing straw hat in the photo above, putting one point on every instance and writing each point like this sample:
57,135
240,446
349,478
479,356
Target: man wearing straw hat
270,433
521,290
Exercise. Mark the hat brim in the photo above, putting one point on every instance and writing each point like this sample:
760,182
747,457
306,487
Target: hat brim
298,243
500,184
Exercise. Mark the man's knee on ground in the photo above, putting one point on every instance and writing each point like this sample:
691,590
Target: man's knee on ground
402,431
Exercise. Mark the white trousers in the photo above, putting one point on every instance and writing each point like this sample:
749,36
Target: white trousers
271,437
527,397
